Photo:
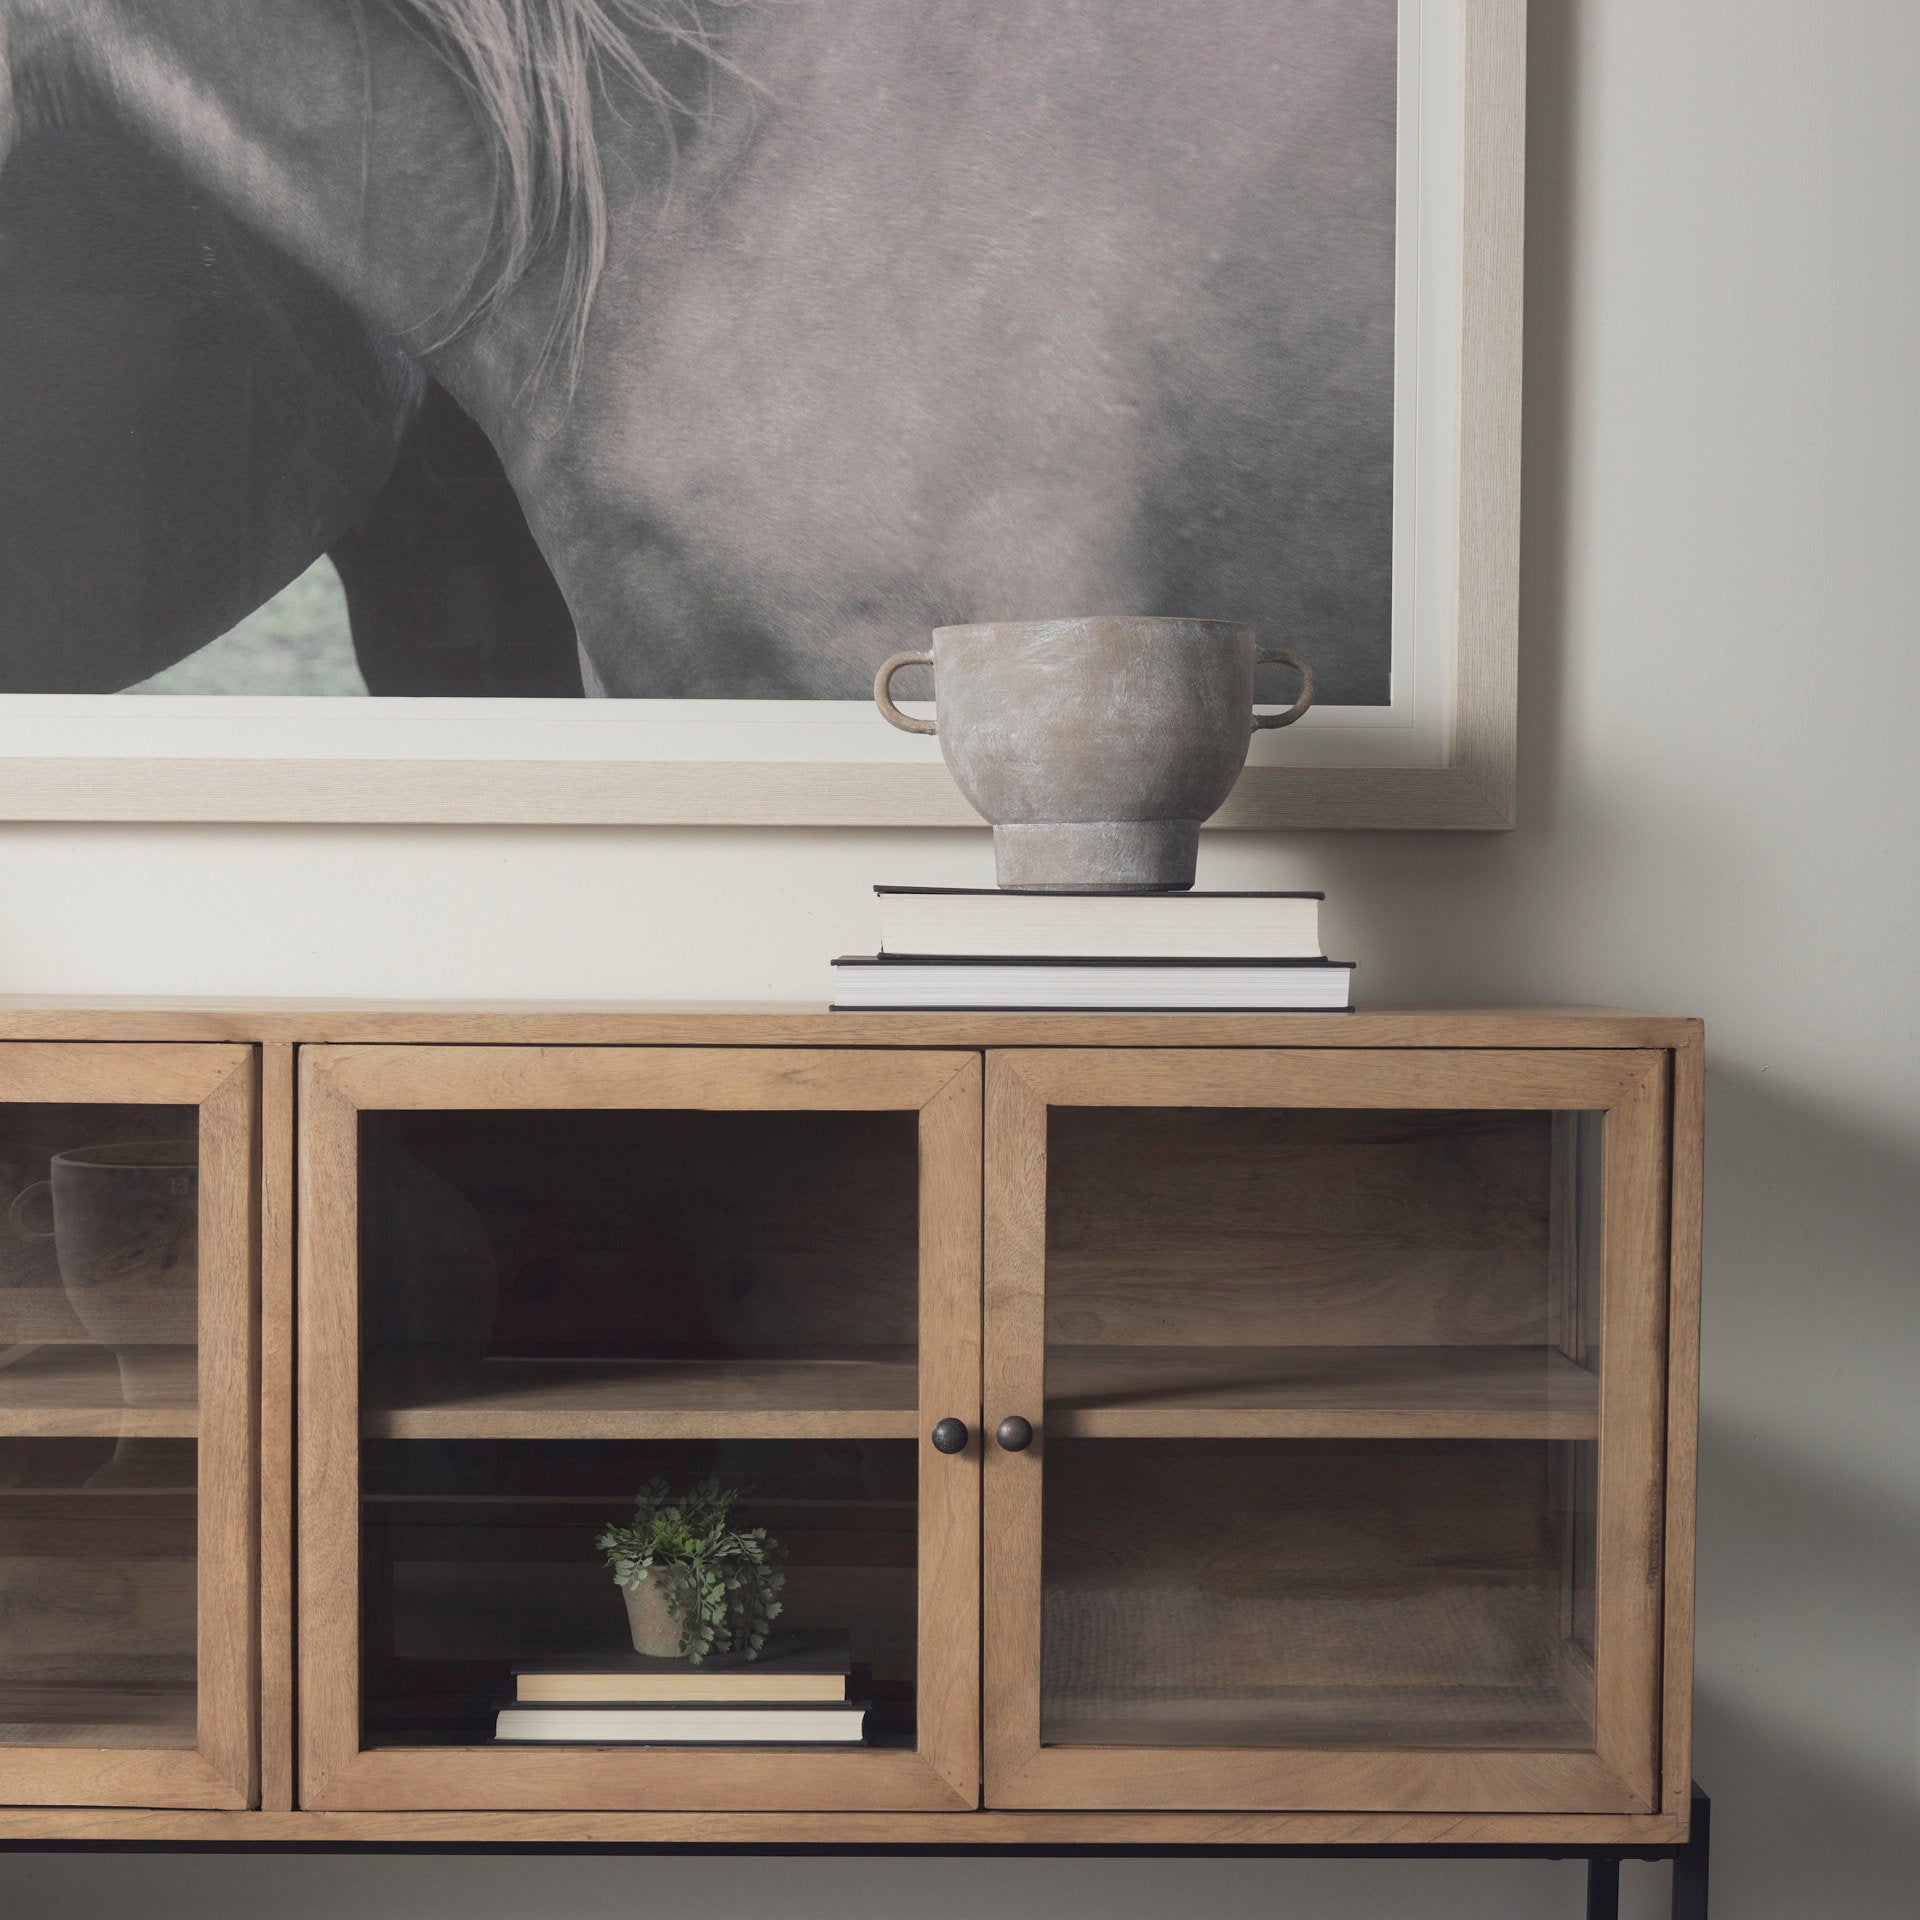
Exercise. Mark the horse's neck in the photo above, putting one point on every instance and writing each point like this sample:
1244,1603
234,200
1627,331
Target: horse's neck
328,129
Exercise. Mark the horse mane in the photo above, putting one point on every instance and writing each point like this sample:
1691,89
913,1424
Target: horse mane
533,72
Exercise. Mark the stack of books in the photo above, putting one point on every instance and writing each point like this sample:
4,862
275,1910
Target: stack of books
797,1692
977,948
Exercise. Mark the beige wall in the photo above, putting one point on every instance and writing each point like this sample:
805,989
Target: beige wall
1719,805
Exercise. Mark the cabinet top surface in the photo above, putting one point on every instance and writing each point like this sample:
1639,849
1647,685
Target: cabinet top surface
799,1023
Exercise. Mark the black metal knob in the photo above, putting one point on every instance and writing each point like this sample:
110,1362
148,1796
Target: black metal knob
1014,1433
949,1435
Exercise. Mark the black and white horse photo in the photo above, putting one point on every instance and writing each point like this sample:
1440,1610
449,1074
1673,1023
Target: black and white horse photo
678,349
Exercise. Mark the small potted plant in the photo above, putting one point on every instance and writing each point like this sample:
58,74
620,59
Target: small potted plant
694,1583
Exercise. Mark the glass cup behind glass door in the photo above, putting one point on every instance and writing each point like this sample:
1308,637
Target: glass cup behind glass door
99,1273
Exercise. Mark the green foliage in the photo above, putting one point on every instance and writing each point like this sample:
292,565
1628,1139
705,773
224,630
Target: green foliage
722,1582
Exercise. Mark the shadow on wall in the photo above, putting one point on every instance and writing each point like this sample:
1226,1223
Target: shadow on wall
1808,1700
1397,899
737,1887
1808,1689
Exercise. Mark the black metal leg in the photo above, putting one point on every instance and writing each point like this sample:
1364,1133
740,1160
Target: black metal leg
1603,1890
1690,1863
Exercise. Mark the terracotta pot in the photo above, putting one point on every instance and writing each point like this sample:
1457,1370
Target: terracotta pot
1097,746
655,1630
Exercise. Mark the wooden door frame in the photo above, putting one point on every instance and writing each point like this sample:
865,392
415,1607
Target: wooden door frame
219,1081
1621,1774
336,1084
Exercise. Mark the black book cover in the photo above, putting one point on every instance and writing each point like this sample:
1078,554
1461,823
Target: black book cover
1189,893
1059,960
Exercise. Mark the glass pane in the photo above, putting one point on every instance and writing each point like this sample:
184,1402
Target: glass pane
569,1260
478,1558
98,1399
1304,1592
1322,1419
560,1307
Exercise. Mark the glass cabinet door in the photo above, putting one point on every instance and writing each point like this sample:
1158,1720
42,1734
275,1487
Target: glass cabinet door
536,1282
1333,1384
126,1481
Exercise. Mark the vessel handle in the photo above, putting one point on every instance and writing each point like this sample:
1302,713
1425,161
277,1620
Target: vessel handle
17,1213
884,700
1278,656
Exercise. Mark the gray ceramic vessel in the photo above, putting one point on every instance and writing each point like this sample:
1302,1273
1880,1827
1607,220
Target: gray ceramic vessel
1095,746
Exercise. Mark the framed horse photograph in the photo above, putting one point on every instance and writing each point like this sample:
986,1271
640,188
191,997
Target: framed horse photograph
556,410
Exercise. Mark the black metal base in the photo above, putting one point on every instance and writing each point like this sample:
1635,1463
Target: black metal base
1689,1856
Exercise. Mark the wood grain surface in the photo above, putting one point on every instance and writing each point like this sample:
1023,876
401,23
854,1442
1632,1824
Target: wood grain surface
573,792
327,1427
695,1080
1236,1569
1633,1391
95,1716
50,1390
806,1024
1433,1393
1345,1716
278,1213
959,1829
947,1701
97,1585
1014,1275
1242,1225
1534,1079
229,1480
681,1399
1688,1132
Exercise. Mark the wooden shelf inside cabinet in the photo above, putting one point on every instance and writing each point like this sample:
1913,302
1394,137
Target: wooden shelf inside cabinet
75,1392
1480,1718
148,1718
1349,1393
865,1398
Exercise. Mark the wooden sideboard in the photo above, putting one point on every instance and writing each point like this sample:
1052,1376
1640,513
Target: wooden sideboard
1358,1355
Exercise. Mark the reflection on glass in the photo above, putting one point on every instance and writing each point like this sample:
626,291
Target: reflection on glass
479,1556
499,1244
1306,1593
97,1595
98,1323
125,1231
1322,1417
1578,1188
557,1306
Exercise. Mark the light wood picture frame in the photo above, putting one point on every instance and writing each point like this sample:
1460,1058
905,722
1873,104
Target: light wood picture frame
1443,757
